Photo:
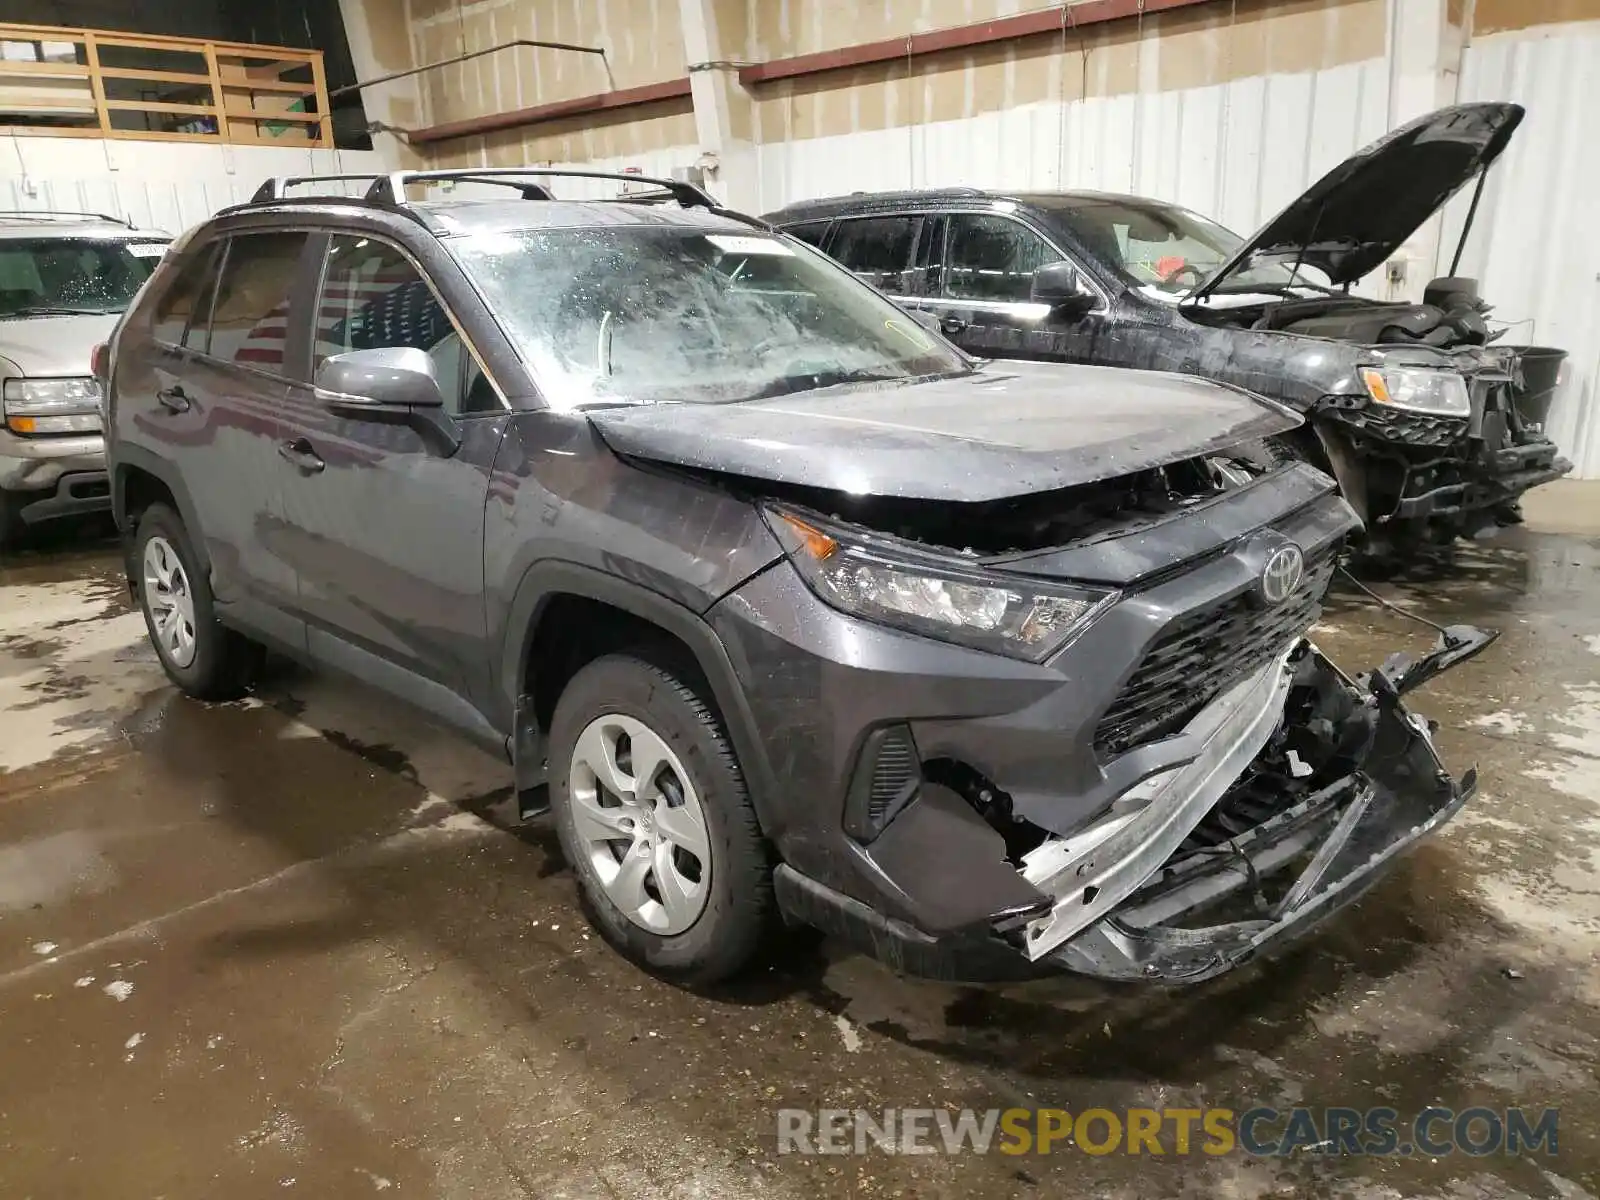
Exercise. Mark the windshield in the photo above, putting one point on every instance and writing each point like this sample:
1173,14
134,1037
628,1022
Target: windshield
46,277
1167,250
642,315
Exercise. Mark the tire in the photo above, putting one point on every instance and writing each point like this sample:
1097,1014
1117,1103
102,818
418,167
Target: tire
732,910
12,525
212,662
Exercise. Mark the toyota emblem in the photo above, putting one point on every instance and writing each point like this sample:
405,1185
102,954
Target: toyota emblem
1281,575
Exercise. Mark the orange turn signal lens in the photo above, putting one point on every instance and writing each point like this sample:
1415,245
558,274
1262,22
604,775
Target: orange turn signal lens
818,544
1376,387
23,424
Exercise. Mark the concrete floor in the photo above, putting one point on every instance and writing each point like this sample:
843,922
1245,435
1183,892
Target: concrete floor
291,944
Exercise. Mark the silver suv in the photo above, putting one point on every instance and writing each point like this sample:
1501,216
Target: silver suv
65,279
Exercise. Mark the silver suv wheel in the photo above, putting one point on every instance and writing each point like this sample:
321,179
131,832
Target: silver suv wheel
640,821
169,602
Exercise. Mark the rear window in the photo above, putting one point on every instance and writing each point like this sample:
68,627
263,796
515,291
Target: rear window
57,276
250,316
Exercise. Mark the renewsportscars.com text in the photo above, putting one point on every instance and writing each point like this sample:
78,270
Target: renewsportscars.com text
1259,1131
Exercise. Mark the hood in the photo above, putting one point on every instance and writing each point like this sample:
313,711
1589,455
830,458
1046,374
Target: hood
54,345
1359,213
1005,430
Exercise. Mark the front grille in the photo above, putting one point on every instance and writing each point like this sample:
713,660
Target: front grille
1203,653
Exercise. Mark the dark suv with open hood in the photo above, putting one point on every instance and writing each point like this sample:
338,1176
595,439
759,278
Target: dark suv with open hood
782,604
1410,406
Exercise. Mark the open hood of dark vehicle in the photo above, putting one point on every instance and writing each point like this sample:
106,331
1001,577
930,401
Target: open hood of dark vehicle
1359,213
1006,430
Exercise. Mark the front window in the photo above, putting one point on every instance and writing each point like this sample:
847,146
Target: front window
1167,250
649,314
993,258
56,276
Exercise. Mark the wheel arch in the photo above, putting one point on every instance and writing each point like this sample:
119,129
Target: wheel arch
139,478
550,591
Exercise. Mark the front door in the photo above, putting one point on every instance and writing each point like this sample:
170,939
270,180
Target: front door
385,521
980,284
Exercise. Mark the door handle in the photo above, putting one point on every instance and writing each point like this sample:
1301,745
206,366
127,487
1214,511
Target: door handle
951,326
173,400
299,454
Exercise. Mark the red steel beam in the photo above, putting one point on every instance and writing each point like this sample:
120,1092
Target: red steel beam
578,106
959,37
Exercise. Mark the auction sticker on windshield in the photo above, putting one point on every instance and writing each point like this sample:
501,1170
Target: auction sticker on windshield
734,244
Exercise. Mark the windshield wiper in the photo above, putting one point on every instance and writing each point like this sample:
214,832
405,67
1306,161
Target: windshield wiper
48,310
815,380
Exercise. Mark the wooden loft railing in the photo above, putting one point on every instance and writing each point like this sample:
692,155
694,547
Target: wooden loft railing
60,82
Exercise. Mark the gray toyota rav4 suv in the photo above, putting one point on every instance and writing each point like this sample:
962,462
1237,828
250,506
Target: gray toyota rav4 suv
784,606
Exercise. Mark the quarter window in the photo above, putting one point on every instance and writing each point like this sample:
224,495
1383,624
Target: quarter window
250,319
810,232
993,258
878,250
374,298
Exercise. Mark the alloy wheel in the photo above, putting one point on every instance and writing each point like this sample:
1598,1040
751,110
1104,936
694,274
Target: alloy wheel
641,824
169,602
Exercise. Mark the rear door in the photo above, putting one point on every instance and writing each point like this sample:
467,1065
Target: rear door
385,523
220,339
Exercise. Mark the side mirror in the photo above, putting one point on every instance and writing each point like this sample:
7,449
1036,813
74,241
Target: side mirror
385,379
393,384
927,320
1057,284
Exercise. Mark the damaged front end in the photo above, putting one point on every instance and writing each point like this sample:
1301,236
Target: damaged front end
1408,470
1303,786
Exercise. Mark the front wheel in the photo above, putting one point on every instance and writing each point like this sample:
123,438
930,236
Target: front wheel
198,653
653,816
11,522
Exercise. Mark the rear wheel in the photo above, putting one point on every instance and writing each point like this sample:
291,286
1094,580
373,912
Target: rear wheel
200,655
653,816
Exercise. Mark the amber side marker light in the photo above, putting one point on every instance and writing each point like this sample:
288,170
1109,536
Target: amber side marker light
1376,387
818,544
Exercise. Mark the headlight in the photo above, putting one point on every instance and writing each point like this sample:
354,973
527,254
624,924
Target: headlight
51,405
1419,389
868,578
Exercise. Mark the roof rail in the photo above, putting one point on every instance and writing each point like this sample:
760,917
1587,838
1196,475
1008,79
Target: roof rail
391,189
37,214
275,187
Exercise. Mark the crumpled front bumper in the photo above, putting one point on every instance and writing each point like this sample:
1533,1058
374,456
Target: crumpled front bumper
1214,902
1200,867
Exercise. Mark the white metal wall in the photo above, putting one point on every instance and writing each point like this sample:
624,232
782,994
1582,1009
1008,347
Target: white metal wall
159,185
1236,151
1534,244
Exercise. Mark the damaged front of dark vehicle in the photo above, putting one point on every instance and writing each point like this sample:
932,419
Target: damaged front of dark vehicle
1032,682
1411,406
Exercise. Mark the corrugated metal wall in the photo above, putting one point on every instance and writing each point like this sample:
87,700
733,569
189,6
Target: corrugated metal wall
156,185
1534,243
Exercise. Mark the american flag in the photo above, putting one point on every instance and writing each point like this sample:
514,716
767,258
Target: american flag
389,307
